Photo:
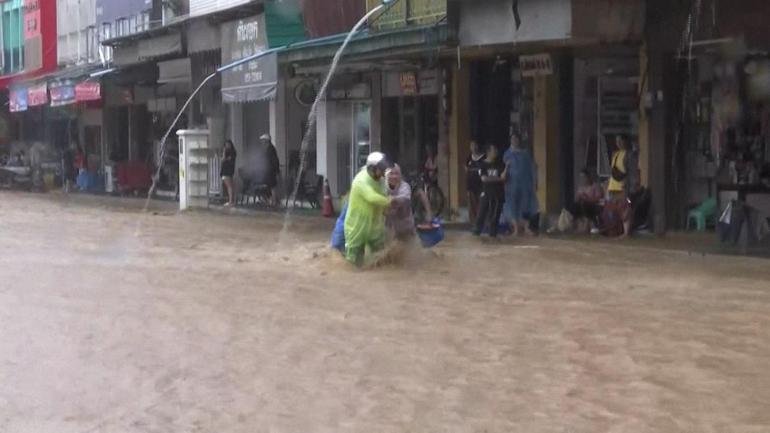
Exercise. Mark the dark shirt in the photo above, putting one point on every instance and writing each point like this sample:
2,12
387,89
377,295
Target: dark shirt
228,162
493,189
273,166
473,176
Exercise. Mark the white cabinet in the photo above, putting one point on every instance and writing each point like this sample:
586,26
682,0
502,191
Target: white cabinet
193,168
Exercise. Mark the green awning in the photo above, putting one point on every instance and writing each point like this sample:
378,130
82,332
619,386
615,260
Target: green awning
284,24
423,38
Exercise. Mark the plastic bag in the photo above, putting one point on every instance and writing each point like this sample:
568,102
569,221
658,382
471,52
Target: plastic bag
566,221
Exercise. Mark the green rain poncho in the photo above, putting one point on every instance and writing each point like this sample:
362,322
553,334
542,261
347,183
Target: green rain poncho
365,222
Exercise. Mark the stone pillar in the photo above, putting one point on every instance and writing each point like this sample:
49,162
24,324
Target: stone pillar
442,148
644,120
547,141
278,125
375,133
459,136
656,155
326,145
235,128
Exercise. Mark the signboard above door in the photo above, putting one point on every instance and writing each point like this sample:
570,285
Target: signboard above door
256,80
408,81
535,65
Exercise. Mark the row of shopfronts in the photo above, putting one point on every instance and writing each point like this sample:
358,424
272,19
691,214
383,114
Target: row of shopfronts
471,71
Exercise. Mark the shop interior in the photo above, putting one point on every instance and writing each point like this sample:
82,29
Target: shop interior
725,145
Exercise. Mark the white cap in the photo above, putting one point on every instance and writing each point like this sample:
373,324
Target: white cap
265,137
375,159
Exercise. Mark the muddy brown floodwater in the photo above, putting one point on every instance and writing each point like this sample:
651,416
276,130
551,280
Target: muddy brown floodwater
115,322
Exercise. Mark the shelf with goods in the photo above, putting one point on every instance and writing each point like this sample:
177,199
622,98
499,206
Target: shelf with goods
194,161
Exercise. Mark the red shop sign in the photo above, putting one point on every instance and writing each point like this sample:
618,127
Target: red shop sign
38,94
88,91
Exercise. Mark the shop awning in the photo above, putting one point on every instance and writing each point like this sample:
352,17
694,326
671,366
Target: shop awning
412,39
75,84
137,51
160,46
65,86
175,71
202,36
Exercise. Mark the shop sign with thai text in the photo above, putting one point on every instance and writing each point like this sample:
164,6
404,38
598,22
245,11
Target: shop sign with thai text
535,65
254,80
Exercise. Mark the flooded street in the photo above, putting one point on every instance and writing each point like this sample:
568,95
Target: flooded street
114,321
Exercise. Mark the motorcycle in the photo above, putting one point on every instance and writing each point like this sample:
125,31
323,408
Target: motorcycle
16,177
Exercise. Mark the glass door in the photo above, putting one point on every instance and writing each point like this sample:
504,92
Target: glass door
362,117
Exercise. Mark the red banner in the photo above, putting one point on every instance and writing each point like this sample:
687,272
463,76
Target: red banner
38,94
88,91
32,21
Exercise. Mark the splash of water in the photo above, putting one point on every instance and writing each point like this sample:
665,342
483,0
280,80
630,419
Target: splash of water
162,156
311,118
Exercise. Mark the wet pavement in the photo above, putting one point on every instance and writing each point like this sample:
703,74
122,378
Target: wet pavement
119,321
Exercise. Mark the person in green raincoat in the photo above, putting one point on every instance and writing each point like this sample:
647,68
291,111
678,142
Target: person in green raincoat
365,220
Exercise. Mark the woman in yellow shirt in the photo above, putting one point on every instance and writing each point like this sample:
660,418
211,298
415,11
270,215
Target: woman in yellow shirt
617,184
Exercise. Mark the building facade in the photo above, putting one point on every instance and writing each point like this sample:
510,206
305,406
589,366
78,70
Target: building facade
426,75
29,54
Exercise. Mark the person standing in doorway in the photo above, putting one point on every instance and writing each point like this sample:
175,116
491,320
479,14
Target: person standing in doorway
473,179
520,199
623,181
493,175
228,170
273,168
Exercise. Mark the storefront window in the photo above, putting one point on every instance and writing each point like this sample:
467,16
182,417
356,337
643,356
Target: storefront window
361,133
12,36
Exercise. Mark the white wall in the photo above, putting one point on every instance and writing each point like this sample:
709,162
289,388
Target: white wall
203,7
492,21
73,17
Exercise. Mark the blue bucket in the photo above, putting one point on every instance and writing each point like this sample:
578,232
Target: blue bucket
430,237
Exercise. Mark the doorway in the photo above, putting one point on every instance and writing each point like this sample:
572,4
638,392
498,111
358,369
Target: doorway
411,127
490,102
352,123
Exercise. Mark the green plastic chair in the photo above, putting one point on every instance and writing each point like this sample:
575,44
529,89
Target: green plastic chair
705,211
